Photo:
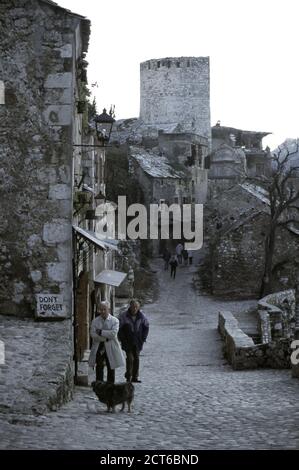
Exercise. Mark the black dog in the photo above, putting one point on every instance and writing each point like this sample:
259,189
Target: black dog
114,394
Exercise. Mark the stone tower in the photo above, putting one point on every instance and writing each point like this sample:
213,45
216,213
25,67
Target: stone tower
176,91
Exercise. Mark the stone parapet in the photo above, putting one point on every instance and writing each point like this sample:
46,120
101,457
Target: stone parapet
242,353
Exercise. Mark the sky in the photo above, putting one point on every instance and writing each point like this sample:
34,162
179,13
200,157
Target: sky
252,45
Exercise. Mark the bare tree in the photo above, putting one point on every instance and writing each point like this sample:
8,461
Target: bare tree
283,197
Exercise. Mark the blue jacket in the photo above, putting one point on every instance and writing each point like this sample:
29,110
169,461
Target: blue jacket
133,333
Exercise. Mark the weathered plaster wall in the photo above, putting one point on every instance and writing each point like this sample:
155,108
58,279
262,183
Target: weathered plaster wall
38,56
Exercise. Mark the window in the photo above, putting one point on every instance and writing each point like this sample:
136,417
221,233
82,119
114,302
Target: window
178,64
176,200
158,64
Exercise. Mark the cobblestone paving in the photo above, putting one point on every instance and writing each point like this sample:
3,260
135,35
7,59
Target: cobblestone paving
189,398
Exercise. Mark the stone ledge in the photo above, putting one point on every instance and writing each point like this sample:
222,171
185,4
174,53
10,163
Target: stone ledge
242,353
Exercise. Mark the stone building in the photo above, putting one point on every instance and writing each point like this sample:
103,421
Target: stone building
169,143
172,173
176,90
51,172
237,153
43,72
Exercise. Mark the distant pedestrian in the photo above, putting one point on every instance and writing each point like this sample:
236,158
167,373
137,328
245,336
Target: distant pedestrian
166,258
173,265
190,256
178,250
185,256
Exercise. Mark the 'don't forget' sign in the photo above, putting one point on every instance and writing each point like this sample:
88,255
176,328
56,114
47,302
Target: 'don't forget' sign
50,306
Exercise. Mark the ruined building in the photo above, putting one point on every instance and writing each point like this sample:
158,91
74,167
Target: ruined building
236,154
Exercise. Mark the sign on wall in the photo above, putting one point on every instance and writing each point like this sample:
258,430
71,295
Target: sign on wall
50,306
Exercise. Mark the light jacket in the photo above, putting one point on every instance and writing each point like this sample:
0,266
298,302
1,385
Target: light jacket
109,329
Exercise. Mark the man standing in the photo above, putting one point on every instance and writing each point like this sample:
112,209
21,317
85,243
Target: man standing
105,348
133,331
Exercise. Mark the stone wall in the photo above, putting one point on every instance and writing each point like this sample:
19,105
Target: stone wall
280,310
235,226
176,91
238,258
40,47
242,353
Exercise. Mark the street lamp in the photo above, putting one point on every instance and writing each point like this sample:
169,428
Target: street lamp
104,123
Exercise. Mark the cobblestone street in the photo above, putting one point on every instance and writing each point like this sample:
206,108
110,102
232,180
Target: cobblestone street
189,397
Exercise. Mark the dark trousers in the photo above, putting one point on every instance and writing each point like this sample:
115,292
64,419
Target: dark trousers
173,271
132,364
101,360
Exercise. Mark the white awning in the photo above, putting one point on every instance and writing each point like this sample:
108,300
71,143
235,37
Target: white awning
106,244
110,277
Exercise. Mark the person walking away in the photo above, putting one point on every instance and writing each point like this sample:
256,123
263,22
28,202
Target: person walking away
173,265
185,256
133,332
190,256
166,258
105,348
178,250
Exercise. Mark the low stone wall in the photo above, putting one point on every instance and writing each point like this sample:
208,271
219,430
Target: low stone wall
295,371
242,353
295,367
235,340
264,326
281,310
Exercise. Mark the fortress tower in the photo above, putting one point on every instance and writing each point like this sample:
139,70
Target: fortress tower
176,91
